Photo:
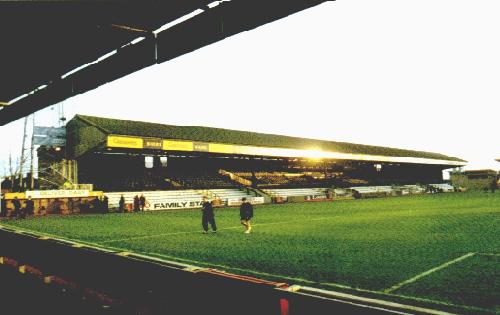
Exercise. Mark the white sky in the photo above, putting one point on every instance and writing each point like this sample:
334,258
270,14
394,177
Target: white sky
422,75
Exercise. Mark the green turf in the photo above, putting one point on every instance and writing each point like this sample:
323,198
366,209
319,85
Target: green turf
369,244
475,281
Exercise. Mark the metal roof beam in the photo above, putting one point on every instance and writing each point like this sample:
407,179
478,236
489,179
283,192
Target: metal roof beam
215,23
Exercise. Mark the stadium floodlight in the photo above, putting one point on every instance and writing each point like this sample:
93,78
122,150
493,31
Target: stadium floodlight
163,161
148,161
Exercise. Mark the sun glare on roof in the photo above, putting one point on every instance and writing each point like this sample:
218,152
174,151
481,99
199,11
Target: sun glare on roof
314,154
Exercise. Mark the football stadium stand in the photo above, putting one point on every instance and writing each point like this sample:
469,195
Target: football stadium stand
475,179
132,156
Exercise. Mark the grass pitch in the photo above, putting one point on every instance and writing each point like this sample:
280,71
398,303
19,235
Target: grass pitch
442,248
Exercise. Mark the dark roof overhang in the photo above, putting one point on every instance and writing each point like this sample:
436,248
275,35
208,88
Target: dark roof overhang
53,50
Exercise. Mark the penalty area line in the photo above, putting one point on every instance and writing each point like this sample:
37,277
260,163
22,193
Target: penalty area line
428,272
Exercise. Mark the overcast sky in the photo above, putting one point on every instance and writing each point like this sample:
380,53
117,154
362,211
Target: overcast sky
422,75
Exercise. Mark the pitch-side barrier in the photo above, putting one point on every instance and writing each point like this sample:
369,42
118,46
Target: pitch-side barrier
58,276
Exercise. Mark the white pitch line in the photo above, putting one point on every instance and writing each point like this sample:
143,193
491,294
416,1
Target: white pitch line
489,254
428,272
198,231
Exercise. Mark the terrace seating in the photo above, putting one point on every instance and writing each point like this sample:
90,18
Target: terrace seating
285,193
280,179
414,189
300,180
372,191
175,179
382,191
265,178
204,180
443,187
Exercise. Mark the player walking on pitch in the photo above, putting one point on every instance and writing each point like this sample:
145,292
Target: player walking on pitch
207,216
246,214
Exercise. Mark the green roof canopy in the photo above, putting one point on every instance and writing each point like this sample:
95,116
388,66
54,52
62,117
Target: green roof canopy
226,136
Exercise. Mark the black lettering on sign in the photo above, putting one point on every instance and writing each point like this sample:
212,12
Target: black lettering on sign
176,205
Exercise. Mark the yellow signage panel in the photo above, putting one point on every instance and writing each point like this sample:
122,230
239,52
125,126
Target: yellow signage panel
221,148
153,143
200,146
125,142
176,145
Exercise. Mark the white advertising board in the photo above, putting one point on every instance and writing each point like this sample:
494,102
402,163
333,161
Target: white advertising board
252,200
57,193
172,204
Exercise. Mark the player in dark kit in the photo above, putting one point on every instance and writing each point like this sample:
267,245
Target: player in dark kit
142,202
246,214
207,216
17,207
121,204
30,207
